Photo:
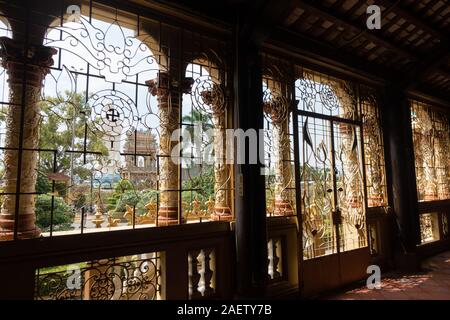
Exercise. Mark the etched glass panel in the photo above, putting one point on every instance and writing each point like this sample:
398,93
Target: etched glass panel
429,227
431,138
322,94
278,141
374,160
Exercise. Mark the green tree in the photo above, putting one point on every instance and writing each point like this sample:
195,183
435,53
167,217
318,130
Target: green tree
62,120
195,117
202,187
62,213
43,185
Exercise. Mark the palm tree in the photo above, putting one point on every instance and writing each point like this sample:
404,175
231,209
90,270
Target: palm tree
197,116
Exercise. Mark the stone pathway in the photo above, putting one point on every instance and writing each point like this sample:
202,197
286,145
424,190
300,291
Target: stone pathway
433,283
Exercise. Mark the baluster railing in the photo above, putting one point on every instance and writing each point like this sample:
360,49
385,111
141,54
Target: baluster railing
274,247
194,275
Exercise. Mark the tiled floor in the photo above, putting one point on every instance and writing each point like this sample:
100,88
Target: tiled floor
433,283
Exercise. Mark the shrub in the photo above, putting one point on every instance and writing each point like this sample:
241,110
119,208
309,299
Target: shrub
62,213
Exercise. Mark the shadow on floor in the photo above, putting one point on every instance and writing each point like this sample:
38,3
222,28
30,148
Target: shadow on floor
433,283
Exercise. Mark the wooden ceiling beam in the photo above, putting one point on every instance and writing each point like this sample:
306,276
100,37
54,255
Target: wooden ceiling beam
350,26
413,18
426,67
320,53
263,16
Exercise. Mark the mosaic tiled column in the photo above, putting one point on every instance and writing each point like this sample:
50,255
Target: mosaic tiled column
277,110
26,69
215,98
168,94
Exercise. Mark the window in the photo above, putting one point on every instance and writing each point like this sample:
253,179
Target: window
429,227
341,159
431,139
278,139
107,142
373,148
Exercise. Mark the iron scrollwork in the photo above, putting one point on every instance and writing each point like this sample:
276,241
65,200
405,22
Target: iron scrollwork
126,278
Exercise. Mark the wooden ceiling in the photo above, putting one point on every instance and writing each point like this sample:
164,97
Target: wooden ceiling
411,48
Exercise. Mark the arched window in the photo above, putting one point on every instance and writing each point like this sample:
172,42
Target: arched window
99,121
206,168
431,141
5,31
331,160
431,146
111,110
278,141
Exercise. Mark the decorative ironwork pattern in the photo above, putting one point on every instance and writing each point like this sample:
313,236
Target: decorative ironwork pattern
208,171
124,278
322,94
431,137
319,236
115,55
113,113
278,139
350,187
331,165
115,90
374,160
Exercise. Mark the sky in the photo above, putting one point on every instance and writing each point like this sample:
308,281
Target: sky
70,69
141,104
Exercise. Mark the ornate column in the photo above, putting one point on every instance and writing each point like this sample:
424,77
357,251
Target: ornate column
396,115
26,68
277,110
215,98
168,93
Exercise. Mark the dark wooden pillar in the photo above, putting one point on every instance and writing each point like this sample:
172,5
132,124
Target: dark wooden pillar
251,233
400,161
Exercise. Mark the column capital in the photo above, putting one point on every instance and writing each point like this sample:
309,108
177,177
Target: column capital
164,84
277,109
15,55
215,98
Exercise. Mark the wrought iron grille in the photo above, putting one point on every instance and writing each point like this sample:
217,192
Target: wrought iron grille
374,160
431,140
278,138
101,148
325,95
319,235
124,278
332,177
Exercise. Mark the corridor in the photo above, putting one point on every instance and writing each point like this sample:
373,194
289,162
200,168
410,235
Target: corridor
433,283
